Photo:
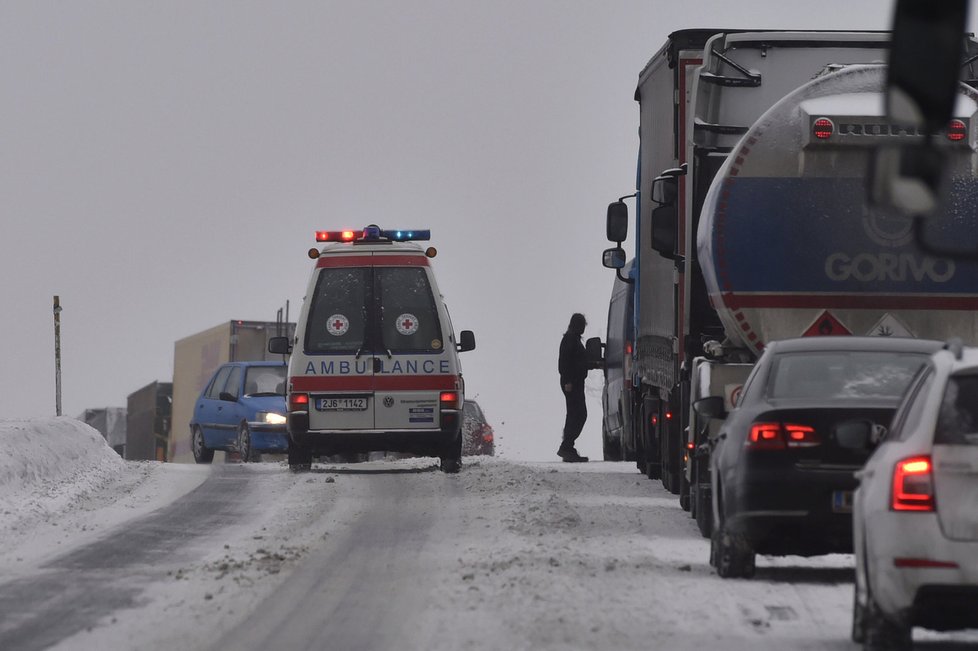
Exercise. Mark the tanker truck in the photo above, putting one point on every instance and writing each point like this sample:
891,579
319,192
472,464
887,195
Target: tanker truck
752,223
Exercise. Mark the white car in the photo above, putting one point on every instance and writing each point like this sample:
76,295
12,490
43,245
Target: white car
915,513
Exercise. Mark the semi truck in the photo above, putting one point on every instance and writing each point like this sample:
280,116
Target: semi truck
148,419
195,358
752,224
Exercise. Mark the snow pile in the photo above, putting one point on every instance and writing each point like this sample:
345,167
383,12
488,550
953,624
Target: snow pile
46,464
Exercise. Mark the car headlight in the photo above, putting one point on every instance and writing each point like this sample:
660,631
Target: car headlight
271,418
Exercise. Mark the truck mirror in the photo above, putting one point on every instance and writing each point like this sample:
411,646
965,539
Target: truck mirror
279,345
617,222
925,62
466,341
595,350
710,407
665,189
664,230
613,258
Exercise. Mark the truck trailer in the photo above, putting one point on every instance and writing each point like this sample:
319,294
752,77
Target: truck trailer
195,358
752,222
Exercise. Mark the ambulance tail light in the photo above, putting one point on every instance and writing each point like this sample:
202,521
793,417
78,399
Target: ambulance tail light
913,485
450,400
298,401
957,131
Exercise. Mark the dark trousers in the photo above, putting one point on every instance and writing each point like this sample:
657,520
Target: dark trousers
576,414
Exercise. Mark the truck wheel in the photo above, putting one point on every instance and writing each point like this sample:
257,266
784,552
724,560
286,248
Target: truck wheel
299,458
684,500
245,450
704,510
202,453
611,449
451,459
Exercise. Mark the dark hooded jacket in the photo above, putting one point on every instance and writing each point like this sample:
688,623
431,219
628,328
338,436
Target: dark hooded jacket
572,362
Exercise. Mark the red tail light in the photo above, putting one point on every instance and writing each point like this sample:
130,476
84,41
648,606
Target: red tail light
823,128
298,401
957,131
654,420
487,434
449,400
913,485
780,436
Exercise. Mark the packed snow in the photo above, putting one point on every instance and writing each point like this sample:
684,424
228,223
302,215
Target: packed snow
522,556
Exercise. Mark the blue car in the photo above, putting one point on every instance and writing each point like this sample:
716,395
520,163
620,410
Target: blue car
241,409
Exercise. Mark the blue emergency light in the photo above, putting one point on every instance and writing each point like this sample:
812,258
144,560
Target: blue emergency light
373,234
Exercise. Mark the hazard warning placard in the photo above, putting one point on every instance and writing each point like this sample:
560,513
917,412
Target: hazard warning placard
826,325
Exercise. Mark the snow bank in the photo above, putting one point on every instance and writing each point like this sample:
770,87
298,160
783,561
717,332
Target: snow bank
46,464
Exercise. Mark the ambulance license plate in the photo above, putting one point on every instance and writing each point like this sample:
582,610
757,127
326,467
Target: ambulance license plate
842,501
341,404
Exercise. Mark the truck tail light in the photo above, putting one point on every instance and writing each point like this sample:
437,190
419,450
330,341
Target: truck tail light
298,401
957,131
781,436
450,400
913,485
823,128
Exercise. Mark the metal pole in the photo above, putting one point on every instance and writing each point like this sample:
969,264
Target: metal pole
57,355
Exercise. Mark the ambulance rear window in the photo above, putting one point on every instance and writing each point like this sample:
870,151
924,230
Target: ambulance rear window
338,312
408,312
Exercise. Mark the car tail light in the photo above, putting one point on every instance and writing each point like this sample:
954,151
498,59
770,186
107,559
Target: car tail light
298,401
913,485
449,400
780,436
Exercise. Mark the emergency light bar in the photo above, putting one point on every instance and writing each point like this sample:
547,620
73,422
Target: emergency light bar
373,234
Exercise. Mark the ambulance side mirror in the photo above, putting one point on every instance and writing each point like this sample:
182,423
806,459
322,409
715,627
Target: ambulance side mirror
279,345
466,341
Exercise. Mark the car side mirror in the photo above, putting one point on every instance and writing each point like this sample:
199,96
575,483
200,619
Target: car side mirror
227,397
710,407
279,345
854,434
466,341
617,226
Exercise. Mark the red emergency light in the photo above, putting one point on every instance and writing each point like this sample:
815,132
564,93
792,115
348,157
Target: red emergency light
335,236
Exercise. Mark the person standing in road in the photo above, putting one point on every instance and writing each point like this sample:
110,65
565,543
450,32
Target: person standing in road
573,366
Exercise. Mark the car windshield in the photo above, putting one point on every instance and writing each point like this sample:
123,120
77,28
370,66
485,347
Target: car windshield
957,423
265,381
842,374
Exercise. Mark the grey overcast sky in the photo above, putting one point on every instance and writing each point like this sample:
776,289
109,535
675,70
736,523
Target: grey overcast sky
163,166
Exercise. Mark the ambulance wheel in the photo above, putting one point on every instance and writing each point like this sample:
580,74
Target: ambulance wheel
299,458
451,462
244,444
202,453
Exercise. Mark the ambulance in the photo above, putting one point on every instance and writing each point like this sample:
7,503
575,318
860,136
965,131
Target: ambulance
374,363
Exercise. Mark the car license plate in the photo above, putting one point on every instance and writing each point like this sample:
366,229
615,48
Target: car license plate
341,404
842,501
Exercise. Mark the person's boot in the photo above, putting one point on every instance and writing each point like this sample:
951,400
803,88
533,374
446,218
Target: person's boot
569,454
566,452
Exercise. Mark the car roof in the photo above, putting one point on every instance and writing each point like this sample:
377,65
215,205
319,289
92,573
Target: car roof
854,343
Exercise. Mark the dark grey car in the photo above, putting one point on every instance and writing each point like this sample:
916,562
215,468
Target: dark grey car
782,471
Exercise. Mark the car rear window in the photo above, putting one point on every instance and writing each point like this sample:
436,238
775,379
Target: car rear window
842,374
338,312
957,422
408,314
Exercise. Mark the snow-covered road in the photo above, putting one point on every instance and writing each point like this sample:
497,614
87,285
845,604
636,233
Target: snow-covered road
97,553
